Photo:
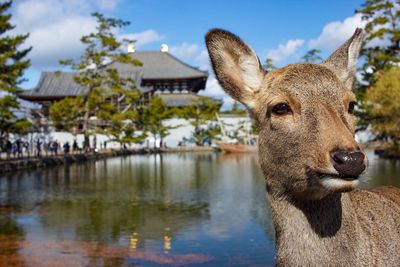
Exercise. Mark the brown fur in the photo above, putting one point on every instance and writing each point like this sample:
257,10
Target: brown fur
320,219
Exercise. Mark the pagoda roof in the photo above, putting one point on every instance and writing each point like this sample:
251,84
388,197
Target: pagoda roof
156,66
162,65
54,85
181,99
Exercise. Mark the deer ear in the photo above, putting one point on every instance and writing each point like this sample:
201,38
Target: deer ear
236,66
344,60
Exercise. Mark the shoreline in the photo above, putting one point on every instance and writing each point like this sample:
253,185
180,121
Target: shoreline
381,151
387,153
18,164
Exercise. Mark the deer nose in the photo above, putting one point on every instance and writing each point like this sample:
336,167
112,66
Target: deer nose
349,164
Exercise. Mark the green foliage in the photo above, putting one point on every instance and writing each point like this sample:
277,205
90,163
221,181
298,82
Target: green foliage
255,127
237,109
9,123
383,18
269,64
380,49
66,113
384,104
111,96
199,113
12,66
20,126
122,128
312,56
153,115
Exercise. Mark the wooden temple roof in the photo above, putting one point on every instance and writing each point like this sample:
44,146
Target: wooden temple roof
181,99
163,66
156,66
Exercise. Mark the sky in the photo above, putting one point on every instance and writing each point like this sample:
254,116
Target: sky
281,30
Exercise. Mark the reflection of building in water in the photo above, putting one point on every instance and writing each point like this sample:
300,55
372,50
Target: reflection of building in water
167,241
133,241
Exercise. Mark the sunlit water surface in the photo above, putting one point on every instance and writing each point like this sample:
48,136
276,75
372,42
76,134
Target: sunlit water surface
156,210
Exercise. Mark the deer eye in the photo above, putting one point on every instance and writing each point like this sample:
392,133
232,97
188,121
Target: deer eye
281,109
352,104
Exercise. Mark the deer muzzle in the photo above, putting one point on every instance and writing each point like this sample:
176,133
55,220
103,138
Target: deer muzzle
348,164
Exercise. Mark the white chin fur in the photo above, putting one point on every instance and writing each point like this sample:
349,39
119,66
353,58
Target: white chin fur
337,183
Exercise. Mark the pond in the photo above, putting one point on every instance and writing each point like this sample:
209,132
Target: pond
154,210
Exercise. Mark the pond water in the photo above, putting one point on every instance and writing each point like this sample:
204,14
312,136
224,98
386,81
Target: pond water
155,210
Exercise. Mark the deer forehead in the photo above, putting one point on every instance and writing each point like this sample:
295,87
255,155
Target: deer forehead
303,84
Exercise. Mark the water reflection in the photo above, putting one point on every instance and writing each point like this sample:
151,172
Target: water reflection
146,210
381,172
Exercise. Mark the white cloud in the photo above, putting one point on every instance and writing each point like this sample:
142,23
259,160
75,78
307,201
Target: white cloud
285,51
55,29
337,32
56,26
203,60
60,40
193,54
143,38
108,4
185,51
32,14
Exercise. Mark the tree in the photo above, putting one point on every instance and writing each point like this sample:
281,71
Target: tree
65,114
383,23
200,112
384,104
153,117
121,127
237,109
109,93
312,56
269,64
12,67
119,120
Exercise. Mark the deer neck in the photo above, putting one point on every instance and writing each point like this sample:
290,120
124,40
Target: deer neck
311,229
324,216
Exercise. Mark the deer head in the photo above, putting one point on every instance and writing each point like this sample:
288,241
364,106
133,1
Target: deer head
305,113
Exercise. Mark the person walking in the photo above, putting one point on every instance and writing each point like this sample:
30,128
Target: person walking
66,147
19,148
75,146
8,148
38,147
55,147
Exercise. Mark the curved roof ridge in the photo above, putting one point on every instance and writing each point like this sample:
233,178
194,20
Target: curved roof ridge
184,63
163,65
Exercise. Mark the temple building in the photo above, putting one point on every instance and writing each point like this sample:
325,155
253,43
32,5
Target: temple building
176,82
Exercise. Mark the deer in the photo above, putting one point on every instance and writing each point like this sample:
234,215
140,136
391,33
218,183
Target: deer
309,156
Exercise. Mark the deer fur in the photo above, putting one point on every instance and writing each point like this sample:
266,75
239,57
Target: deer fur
320,218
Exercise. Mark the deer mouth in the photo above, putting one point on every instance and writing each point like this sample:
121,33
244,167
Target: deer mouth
336,182
337,176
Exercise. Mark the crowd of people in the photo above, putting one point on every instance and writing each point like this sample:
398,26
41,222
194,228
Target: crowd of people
38,148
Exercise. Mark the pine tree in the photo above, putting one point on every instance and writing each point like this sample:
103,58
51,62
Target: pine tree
312,56
381,49
200,112
153,118
269,64
12,67
109,92
383,23
384,104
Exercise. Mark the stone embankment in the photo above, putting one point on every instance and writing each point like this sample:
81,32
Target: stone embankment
9,165
388,154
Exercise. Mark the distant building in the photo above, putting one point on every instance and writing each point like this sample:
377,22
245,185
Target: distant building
176,82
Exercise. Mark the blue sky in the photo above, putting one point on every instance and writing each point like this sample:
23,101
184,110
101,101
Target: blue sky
281,30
